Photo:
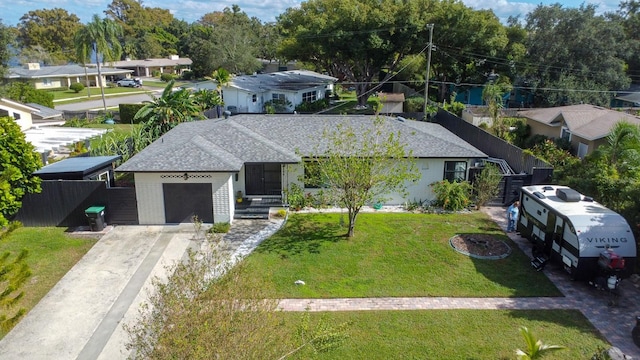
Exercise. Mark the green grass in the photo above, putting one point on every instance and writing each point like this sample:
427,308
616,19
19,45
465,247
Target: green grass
455,334
390,255
51,254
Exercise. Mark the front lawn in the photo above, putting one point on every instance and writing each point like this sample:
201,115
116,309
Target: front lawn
51,254
455,334
391,255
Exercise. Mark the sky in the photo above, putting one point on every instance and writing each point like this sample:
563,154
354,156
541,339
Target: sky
266,10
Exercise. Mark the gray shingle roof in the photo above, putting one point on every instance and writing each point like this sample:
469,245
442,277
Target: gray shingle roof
587,121
226,144
45,112
283,80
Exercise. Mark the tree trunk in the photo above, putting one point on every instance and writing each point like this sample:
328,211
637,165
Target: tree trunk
352,222
362,95
104,101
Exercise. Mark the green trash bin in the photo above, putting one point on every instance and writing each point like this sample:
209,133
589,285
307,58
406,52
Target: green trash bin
95,215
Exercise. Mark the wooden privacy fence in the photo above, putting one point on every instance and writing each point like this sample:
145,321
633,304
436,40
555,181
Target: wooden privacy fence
528,169
63,202
495,147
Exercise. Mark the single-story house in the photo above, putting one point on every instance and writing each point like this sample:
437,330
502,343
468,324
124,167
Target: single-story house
62,76
173,64
250,93
585,126
392,103
199,167
20,112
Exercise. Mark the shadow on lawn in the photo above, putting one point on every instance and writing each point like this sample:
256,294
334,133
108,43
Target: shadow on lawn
303,234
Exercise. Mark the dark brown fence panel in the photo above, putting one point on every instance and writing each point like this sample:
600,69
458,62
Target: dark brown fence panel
490,144
61,203
122,205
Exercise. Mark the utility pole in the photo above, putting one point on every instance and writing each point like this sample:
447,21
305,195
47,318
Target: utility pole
426,78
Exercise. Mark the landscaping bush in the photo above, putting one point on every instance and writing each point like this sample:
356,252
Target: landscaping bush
76,87
485,185
155,73
414,104
221,227
167,77
188,75
313,106
128,113
453,196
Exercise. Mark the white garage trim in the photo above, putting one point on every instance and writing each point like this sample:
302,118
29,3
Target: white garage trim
150,197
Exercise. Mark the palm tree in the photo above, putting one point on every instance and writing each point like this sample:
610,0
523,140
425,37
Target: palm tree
535,348
165,112
222,78
623,141
100,36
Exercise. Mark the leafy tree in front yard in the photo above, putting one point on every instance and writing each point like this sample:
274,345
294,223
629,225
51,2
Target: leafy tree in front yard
18,161
361,166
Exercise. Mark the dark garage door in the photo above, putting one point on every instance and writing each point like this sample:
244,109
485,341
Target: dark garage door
182,201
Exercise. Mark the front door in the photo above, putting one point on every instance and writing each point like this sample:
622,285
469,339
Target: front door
263,179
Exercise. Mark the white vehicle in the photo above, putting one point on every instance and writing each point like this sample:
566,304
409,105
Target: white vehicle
572,229
128,83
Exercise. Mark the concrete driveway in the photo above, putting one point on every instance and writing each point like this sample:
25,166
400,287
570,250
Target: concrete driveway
82,316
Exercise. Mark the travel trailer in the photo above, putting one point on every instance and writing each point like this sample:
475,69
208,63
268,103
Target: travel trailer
591,241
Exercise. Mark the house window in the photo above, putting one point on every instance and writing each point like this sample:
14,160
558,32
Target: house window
278,97
312,176
254,97
47,82
105,177
309,96
4,113
582,150
565,134
455,170
16,116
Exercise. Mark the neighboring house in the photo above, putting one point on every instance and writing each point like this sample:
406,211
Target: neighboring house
270,66
54,77
46,115
250,93
585,126
392,103
627,100
477,115
171,65
199,167
20,112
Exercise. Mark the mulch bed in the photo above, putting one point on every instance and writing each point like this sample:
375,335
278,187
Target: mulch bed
480,246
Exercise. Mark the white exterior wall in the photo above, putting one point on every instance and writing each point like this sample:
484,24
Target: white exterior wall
150,197
242,100
432,170
25,122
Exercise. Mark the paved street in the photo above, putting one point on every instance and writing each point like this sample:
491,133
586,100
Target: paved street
96,103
